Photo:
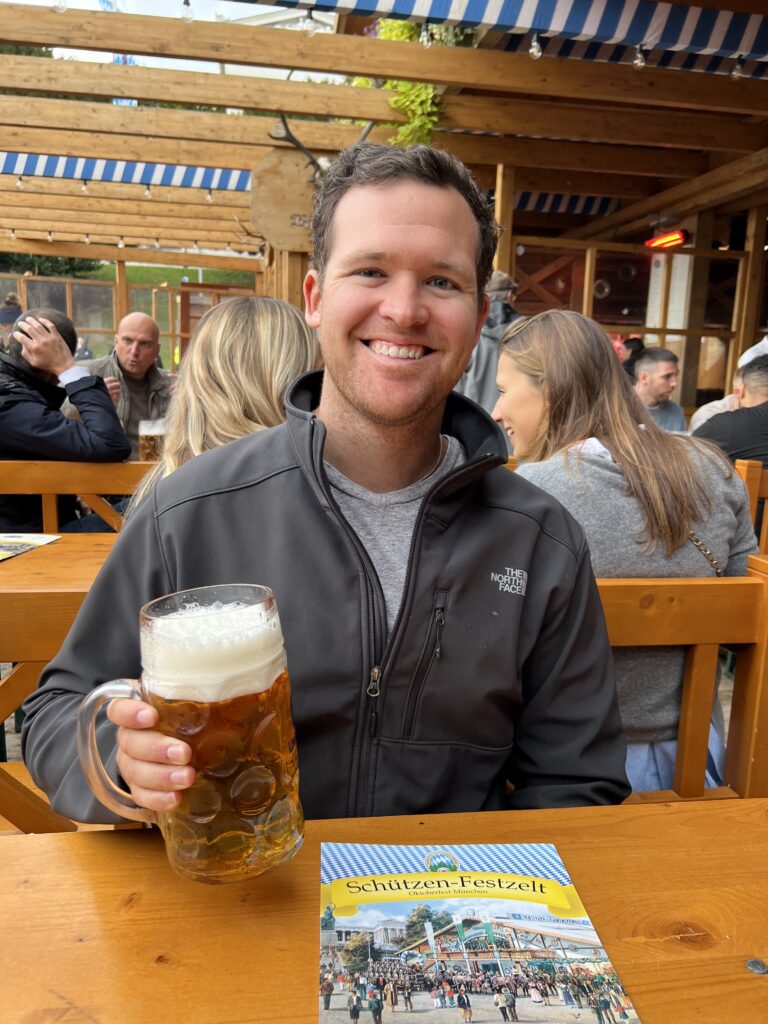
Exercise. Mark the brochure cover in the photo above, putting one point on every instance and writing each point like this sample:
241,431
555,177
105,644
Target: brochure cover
496,931
17,543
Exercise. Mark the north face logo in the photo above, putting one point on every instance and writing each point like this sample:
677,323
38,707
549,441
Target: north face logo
511,581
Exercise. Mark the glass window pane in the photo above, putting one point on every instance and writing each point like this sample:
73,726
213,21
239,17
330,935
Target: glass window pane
46,293
620,293
92,307
548,279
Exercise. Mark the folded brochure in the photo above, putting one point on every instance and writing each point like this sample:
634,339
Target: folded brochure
498,927
17,543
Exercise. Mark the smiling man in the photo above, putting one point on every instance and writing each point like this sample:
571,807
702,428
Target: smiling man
445,638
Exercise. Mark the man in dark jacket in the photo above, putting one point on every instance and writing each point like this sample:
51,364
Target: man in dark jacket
444,632
36,375
743,433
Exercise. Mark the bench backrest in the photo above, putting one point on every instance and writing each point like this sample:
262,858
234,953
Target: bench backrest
755,478
88,480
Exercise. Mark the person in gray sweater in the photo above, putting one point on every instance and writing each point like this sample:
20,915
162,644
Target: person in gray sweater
648,502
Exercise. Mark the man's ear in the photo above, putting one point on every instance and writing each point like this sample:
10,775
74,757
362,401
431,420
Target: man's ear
312,298
482,313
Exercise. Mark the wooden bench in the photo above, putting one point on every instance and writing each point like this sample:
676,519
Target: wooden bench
89,480
698,613
755,478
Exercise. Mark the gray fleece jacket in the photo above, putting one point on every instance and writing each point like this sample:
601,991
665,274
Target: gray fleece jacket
497,666
592,488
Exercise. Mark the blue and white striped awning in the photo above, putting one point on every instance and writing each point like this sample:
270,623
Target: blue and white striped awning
607,30
129,172
29,165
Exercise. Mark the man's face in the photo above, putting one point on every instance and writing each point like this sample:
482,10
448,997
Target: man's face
658,383
397,309
136,344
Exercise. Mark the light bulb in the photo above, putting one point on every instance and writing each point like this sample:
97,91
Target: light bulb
148,192
50,236
121,242
84,186
87,239
425,36
309,25
209,197
60,6
13,234
20,183
639,60
534,50
157,243
187,14
737,71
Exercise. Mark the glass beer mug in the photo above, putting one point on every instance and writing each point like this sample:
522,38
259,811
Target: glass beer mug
214,667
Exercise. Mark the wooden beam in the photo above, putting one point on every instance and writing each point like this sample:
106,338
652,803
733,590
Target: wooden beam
754,277
493,71
504,207
709,189
166,195
88,205
219,140
142,231
133,255
478,113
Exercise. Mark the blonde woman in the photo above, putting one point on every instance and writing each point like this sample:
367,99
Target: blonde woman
651,503
243,355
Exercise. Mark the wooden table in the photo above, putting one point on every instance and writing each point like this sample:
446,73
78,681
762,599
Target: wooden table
98,929
42,590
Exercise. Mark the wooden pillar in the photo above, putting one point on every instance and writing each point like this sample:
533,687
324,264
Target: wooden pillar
697,305
504,208
753,282
588,287
290,269
122,294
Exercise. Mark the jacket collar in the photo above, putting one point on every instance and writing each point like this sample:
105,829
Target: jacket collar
52,394
481,438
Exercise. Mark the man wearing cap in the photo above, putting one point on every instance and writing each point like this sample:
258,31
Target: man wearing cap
479,380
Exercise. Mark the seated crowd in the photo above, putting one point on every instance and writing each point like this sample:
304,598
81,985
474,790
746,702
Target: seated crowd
379,509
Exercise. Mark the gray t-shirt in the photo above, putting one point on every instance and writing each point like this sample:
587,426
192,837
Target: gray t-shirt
385,522
668,414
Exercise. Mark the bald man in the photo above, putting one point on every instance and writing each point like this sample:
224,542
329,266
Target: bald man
139,390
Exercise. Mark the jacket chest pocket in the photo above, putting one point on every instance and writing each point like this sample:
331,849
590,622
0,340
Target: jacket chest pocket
431,651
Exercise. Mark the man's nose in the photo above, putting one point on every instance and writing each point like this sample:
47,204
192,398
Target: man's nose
403,303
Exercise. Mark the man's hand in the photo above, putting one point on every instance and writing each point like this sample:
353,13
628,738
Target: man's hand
42,346
155,767
113,387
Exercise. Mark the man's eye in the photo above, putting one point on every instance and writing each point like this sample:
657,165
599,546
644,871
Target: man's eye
443,283
369,272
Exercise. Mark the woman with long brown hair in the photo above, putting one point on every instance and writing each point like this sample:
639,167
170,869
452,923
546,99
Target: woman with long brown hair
651,503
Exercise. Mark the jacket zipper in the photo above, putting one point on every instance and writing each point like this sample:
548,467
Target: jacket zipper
432,651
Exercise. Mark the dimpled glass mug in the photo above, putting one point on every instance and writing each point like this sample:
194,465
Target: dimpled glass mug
214,667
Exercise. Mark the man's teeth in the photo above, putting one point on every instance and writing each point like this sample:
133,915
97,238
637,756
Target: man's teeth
384,348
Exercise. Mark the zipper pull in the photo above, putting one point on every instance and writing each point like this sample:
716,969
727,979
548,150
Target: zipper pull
373,682
440,620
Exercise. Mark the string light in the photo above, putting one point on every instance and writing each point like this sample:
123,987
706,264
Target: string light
737,71
309,25
121,242
60,6
187,14
148,192
13,234
209,197
157,243
50,236
425,36
87,239
639,60
84,186
20,183
535,50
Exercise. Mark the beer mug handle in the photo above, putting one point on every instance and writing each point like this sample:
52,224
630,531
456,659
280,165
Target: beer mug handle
116,799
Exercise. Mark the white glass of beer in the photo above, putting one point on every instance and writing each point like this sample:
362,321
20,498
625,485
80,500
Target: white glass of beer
214,667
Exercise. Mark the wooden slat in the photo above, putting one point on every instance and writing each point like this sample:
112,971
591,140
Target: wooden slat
492,71
111,253
751,473
695,716
17,686
21,477
26,810
657,612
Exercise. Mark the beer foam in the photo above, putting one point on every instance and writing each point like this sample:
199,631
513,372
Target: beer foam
212,653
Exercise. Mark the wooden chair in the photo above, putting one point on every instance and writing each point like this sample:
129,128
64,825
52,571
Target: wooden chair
88,480
755,478
702,614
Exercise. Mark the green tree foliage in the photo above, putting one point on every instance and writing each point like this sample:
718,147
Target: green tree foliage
45,266
355,953
414,926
